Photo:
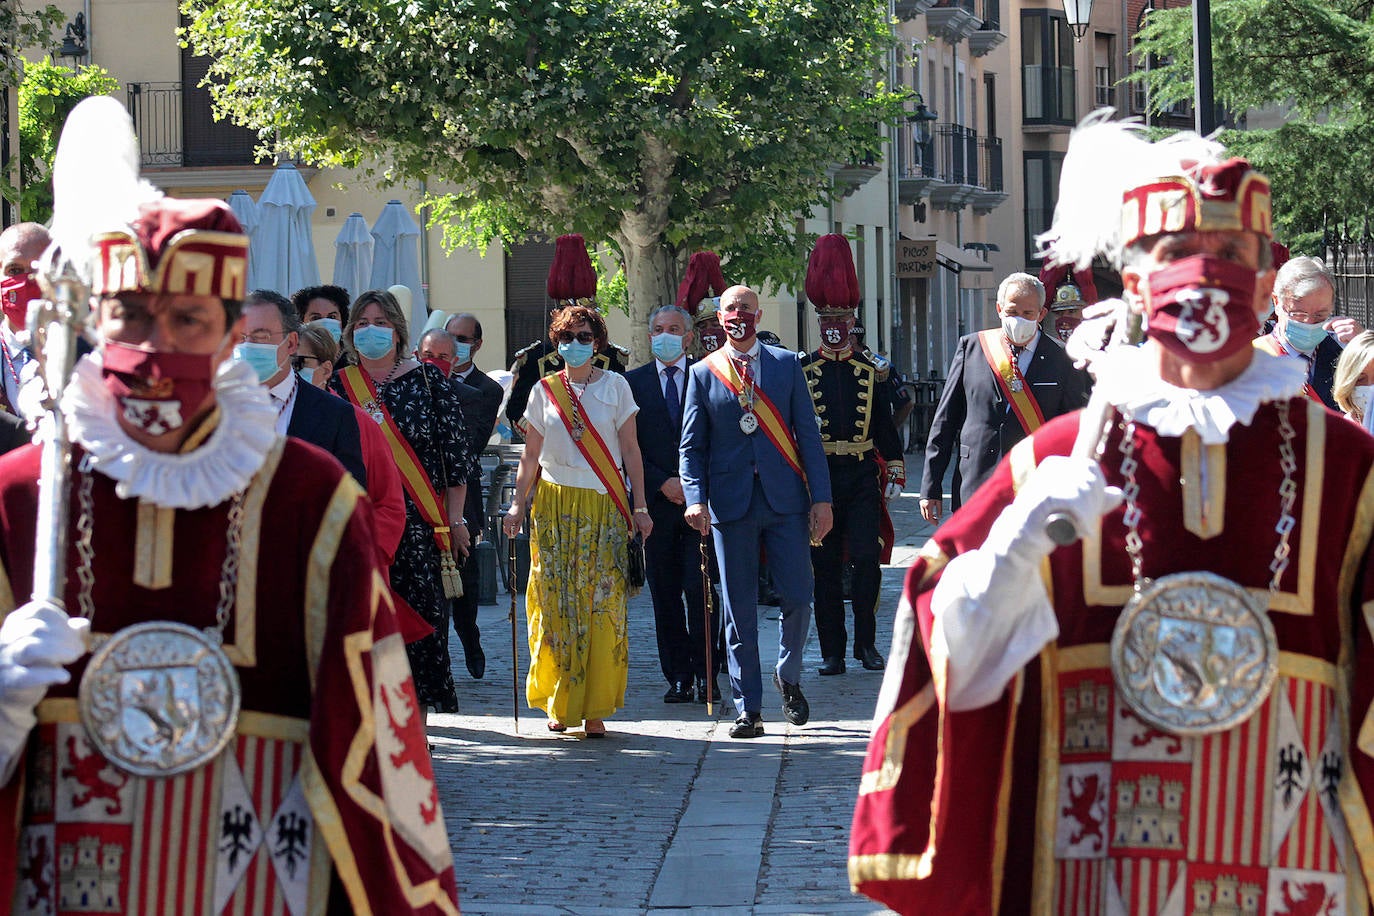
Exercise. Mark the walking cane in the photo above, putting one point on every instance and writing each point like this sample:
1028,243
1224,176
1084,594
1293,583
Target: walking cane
514,640
710,633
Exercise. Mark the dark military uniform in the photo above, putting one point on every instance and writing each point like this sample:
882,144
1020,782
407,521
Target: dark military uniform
852,400
540,359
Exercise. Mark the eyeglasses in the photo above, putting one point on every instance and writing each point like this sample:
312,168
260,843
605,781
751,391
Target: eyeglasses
264,337
467,340
582,337
1308,317
299,361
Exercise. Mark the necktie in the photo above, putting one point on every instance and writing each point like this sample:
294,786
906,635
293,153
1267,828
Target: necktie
671,396
746,370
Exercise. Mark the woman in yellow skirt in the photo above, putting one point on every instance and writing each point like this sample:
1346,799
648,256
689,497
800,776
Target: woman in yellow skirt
581,433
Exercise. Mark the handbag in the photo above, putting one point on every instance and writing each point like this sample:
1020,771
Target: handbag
634,568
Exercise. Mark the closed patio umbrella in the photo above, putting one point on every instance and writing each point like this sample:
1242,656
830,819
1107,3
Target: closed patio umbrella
282,246
396,257
246,209
353,255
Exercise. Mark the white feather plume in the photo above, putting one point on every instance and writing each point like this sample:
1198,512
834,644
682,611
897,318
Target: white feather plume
95,182
1105,159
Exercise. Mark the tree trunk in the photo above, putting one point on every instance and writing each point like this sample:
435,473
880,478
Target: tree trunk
651,281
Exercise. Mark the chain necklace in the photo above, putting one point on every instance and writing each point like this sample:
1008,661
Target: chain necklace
579,428
1288,493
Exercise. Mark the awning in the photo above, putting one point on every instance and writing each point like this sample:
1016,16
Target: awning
958,260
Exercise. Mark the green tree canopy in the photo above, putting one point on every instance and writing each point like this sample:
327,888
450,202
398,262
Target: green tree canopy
659,126
47,95
1313,57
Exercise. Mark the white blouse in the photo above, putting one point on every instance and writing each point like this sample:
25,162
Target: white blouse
608,403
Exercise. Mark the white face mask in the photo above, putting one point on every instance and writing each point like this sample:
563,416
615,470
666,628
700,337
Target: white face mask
1359,396
1019,330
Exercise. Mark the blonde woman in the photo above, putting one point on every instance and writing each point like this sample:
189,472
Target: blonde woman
1354,379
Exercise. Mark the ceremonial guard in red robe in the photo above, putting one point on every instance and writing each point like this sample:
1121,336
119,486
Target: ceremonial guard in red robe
244,736
1173,714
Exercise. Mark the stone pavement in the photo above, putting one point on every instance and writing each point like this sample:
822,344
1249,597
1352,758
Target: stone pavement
668,814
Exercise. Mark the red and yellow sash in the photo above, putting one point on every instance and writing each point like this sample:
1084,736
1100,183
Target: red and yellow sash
1270,344
360,390
1022,402
770,420
591,445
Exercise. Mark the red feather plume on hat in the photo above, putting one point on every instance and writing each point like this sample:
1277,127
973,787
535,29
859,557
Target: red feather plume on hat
571,276
702,280
831,281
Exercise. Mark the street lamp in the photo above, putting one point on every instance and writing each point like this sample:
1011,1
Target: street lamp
920,121
1077,13
74,42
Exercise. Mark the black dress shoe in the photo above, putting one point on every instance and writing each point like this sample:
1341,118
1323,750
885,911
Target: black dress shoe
679,692
872,661
795,709
748,725
832,664
476,662
702,684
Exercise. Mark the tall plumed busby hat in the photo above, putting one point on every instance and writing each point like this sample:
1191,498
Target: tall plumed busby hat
121,231
832,284
1185,183
572,279
702,286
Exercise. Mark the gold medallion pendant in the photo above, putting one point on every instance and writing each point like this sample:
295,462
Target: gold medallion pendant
160,698
1194,653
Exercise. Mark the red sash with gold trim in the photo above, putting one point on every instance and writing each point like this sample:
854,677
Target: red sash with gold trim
591,445
1023,403
770,419
1274,347
363,394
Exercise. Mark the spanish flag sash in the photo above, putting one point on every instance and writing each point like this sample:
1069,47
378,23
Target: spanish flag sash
589,441
1022,402
770,419
363,394
1270,344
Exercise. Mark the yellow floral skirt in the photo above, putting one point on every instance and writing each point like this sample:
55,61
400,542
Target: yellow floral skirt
575,602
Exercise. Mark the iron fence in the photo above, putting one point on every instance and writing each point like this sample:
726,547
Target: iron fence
157,115
1351,260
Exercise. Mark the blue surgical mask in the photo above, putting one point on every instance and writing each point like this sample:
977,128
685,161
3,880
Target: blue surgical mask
262,357
462,353
373,342
576,354
332,325
667,347
307,375
1304,337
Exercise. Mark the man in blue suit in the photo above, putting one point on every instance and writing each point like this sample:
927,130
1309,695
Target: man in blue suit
673,555
752,465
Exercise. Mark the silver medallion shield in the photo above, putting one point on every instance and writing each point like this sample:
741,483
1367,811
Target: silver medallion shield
1194,653
159,699
748,422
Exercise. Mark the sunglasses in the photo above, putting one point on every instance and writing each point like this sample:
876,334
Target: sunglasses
582,337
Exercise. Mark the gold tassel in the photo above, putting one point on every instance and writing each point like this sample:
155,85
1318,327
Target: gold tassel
453,579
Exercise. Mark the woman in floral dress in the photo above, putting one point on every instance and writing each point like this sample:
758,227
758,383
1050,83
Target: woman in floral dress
576,597
427,411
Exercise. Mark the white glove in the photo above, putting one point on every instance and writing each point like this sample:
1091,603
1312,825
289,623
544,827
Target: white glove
992,614
37,642
892,490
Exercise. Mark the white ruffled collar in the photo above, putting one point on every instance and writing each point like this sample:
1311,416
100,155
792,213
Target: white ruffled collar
1127,376
206,476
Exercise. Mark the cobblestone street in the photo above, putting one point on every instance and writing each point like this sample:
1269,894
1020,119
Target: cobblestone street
668,813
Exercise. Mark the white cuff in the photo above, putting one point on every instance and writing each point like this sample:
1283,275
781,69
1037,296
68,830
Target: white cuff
991,616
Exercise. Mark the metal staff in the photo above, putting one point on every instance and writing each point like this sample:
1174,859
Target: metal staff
514,639
707,601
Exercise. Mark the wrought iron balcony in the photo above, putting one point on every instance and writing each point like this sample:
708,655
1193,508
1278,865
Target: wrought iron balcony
991,192
989,34
910,9
176,127
953,20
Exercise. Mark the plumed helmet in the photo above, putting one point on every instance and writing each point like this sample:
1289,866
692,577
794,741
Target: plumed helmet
832,284
572,279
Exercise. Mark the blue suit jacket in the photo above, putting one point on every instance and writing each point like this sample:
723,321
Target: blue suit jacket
718,461
658,435
322,419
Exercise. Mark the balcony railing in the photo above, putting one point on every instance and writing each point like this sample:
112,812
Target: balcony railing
1047,94
914,158
956,154
176,127
966,5
992,15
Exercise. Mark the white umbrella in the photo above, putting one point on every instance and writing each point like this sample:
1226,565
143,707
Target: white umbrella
246,209
396,257
281,246
353,255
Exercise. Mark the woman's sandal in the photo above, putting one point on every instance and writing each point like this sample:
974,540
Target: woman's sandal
556,726
595,728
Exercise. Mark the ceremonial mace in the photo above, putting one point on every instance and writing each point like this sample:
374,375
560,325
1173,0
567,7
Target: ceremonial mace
707,602
1095,422
514,639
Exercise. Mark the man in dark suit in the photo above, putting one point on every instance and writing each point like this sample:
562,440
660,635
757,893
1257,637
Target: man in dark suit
751,452
270,338
1304,300
479,416
673,554
1003,384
